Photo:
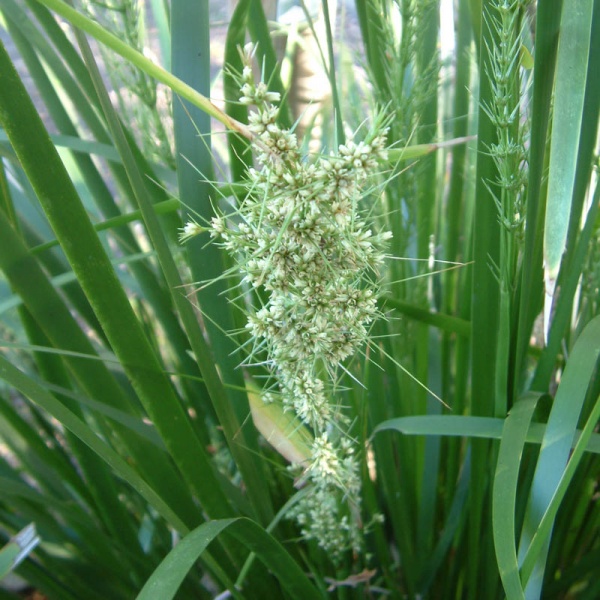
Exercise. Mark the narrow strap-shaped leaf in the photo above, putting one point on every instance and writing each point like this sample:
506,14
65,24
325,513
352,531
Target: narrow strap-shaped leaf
77,523
167,578
546,523
486,243
45,305
485,304
183,441
558,441
97,478
514,436
73,82
444,322
99,191
200,473
571,76
190,30
42,398
79,145
240,156
57,474
588,141
530,297
100,283
451,527
464,426
569,284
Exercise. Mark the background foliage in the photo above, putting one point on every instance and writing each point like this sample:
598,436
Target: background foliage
125,433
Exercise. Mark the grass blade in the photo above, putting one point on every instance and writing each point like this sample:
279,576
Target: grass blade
92,267
547,521
571,75
195,174
42,398
514,436
165,581
531,292
53,316
557,444
463,426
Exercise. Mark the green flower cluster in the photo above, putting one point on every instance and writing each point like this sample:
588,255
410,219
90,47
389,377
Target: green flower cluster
300,239
508,112
329,510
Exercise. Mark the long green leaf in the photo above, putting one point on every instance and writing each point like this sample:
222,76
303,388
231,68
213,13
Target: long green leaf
445,323
570,281
485,305
571,75
92,267
42,398
546,523
514,436
166,580
198,473
53,316
463,426
557,443
195,175
530,298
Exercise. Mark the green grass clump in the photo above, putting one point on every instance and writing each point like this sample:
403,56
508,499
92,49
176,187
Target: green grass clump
257,412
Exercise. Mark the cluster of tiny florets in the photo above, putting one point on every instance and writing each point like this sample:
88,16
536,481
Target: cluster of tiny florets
330,512
300,239
505,110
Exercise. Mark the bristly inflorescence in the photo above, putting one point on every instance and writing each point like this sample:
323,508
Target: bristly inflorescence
300,239
505,110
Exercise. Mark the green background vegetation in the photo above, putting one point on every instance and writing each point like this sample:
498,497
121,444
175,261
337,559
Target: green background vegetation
124,420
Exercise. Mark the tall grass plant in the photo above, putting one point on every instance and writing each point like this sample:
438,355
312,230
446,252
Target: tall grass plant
340,385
